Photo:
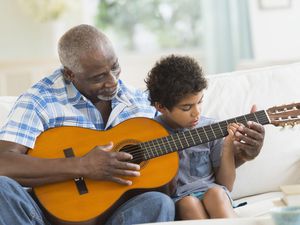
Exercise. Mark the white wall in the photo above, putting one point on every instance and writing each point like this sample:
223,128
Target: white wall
21,36
24,37
28,47
275,32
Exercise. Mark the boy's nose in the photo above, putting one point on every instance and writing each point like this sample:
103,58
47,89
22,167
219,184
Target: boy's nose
196,112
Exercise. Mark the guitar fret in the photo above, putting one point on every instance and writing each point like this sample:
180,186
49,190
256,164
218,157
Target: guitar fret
182,147
257,120
245,119
186,141
217,130
210,132
147,149
153,147
196,131
158,149
174,142
205,134
223,125
213,131
251,117
144,150
164,146
166,140
192,137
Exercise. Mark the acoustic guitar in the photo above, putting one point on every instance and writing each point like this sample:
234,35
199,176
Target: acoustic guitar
151,146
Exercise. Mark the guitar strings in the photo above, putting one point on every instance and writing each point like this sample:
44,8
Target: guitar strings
157,150
139,153
208,133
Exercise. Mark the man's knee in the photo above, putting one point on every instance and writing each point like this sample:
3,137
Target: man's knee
145,208
159,198
6,182
160,202
9,186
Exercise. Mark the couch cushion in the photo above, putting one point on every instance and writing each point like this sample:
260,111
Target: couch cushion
259,205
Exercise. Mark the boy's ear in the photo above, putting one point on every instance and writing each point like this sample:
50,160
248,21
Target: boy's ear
159,107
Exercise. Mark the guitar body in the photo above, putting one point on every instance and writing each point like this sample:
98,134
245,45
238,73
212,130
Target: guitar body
63,201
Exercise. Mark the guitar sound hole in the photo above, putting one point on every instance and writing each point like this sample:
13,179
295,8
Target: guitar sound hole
135,151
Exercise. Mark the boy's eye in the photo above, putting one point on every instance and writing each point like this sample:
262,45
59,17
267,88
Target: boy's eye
186,108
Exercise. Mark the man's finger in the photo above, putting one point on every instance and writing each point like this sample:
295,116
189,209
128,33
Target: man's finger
120,180
127,166
256,126
123,156
128,173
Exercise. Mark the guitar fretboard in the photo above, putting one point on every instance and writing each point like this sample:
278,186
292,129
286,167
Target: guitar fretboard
201,135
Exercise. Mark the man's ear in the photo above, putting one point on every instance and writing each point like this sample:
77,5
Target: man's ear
159,107
68,74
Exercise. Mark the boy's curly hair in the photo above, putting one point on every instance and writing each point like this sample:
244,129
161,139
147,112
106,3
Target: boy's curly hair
172,78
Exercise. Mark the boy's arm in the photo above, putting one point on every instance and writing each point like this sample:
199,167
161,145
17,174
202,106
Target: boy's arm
225,174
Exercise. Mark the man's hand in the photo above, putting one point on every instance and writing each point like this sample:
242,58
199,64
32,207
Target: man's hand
249,141
101,164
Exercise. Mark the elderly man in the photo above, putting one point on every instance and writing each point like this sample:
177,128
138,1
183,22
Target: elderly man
85,92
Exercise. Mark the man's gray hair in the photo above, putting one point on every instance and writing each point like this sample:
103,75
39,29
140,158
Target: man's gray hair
77,42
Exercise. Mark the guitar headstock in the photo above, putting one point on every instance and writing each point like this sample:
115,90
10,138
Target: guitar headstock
284,115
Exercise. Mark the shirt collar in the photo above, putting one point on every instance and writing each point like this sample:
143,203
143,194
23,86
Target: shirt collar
121,96
74,96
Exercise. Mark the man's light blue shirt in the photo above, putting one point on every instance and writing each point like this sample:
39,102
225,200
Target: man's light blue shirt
54,102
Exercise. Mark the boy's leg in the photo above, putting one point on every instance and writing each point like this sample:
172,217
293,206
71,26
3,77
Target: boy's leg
16,205
217,203
144,208
190,208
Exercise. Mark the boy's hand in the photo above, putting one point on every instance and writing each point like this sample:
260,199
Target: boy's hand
231,128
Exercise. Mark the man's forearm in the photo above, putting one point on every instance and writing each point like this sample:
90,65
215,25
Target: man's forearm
30,171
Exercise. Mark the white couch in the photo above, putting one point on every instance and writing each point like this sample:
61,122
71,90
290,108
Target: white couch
232,94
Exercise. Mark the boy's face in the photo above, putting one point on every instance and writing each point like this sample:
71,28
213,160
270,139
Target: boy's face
186,113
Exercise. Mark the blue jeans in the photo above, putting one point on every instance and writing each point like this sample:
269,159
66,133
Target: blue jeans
18,208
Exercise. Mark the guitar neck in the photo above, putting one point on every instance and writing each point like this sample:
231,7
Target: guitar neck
201,135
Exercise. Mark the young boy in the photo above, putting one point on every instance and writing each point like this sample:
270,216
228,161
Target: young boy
206,172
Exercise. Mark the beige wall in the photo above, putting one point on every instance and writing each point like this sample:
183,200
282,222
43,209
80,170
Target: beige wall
28,46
